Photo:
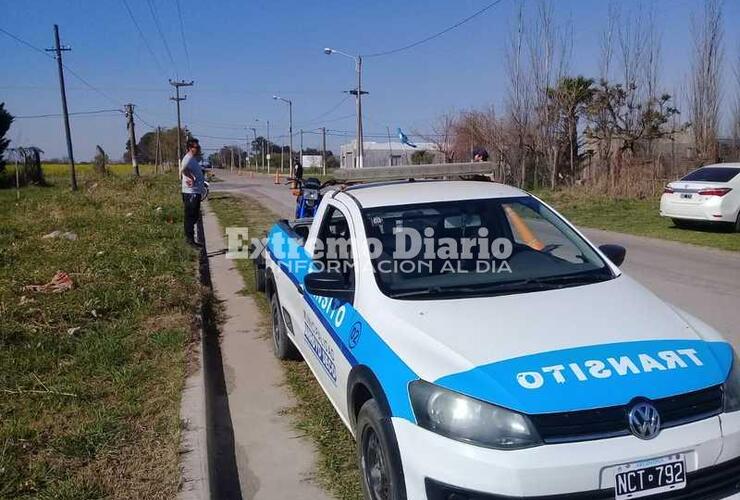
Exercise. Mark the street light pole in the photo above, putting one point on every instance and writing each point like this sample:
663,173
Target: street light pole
360,146
290,132
269,147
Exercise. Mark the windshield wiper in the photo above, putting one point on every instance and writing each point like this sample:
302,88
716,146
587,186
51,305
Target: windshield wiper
525,285
505,287
576,279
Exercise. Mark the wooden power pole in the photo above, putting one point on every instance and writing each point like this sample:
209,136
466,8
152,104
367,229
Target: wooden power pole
177,99
132,138
58,49
156,155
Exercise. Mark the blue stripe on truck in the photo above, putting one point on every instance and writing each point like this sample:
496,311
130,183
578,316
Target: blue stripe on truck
358,342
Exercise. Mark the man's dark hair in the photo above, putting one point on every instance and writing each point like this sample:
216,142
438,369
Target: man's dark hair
191,143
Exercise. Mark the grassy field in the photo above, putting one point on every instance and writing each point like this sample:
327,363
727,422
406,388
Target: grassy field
634,216
313,414
90,378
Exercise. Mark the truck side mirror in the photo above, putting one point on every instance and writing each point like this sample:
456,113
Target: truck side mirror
329,284
615,253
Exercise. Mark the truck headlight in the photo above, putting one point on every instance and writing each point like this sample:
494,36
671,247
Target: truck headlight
732,387
466,419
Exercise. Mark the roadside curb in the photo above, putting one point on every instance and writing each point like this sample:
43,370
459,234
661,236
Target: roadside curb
194,470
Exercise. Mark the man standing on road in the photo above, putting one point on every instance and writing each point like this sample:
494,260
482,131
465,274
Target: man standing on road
192,189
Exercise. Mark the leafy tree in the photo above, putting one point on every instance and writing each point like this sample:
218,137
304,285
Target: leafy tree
620,120
422,157
5,120
146,148
569,101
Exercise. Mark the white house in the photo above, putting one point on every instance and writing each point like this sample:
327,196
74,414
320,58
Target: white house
384,154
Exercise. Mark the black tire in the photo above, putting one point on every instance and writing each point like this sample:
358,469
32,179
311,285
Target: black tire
681,223
378,456
259,276
737,223
282,346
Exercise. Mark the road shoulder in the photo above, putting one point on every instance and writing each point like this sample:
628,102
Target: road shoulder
273,460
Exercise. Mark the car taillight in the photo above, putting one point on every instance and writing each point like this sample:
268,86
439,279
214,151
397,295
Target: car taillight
714,191
668,190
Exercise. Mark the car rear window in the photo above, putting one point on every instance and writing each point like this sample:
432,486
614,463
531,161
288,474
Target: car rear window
712,174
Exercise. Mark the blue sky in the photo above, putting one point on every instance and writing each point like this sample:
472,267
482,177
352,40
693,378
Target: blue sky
243,52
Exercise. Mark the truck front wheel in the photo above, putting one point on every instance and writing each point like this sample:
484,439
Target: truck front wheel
282,346
377,453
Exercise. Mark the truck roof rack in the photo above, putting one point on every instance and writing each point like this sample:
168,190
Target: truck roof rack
432,171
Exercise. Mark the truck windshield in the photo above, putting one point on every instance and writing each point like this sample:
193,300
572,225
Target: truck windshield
474,248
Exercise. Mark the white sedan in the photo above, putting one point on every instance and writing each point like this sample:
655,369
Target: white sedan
711,194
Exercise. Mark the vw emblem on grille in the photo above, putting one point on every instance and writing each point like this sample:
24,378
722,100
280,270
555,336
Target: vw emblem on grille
644,420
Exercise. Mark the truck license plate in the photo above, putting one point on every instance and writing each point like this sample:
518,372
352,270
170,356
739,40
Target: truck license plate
650,477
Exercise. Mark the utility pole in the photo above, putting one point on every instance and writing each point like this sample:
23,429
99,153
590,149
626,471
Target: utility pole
156,155
256,157
300,156
132,138
323,150
177,99
269,147
58,49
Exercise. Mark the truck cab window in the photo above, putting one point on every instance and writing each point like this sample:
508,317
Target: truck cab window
334,245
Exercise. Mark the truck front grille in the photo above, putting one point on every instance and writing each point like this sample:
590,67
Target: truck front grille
608,422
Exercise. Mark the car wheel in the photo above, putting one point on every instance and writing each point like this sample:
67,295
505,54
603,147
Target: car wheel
282,346
737,223
681,224
377,454
259,277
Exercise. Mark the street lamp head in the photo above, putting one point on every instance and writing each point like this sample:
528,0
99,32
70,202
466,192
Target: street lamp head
275,97
328,51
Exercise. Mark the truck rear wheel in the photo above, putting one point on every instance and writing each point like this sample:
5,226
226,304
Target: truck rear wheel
282,346
259,276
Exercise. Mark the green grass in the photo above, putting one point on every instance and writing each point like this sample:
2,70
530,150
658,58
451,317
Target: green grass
90,379
313,413
634,216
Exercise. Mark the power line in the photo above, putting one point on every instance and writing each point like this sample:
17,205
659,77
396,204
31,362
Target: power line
49,115
325,113
27,44
143,38
161,34
436,35
144,121
67,68
182,33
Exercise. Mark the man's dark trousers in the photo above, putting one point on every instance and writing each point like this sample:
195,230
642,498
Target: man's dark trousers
191,202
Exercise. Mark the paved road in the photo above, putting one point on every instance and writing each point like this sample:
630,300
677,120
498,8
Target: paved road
703,281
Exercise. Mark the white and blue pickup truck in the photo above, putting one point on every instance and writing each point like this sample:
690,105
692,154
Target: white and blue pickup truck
478,346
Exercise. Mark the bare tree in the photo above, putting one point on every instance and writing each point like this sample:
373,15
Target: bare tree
549,51
706,79
735,123
443,135
520,96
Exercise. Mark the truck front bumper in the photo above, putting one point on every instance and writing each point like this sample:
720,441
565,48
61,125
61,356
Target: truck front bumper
439,468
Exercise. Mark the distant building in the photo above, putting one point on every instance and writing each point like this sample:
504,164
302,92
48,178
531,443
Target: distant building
384,154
